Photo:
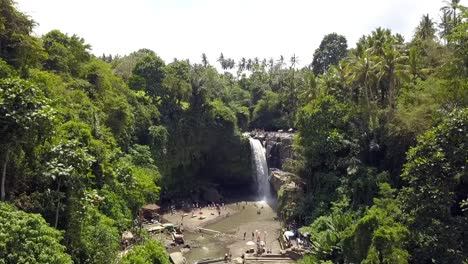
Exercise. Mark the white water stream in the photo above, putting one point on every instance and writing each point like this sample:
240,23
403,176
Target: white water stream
261,170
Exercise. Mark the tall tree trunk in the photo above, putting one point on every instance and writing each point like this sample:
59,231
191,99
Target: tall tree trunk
454,16
58,205
5,163
392,88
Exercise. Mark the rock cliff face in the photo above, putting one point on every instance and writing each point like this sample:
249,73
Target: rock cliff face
279,178
278,145
288,186
290,190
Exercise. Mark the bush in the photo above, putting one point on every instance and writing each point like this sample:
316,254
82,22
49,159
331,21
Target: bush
151,252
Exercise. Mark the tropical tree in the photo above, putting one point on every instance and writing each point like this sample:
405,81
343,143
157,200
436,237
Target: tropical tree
392,68
309,89
436,184
386,53
360,69
124,66
177,81
68,166
91,237
27,238
451,7
459,40
65,54
148,76
248,65
414,67
378,237
446,24
425,29
25,116
332,49
149,252
242,64
222,61
204,60
17,46
240,67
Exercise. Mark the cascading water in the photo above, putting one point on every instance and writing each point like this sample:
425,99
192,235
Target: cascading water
261,169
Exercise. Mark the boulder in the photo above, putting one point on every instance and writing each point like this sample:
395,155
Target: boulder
279,178
177,258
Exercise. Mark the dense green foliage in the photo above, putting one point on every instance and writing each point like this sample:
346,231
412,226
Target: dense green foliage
387,100
27,238
437,185
150,252
85,142
381,148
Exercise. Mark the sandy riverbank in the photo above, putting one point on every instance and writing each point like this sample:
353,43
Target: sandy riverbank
203,217
235,220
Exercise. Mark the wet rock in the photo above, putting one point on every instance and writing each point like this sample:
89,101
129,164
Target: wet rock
279,148
274,157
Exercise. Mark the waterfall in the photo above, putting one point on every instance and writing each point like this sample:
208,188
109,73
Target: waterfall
261,169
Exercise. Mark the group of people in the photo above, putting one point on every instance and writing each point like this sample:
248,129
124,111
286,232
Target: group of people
211,206
256,235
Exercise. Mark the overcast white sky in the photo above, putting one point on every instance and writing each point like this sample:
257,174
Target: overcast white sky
238,28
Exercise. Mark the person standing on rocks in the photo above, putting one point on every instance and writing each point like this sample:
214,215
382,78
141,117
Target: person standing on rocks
245,233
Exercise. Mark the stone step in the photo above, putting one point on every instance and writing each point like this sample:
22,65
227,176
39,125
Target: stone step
275,259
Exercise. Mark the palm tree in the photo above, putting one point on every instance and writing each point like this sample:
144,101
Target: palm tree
414,69
309,88
243,62
230,64
294,60
425,29
392,68
445,24
256,61
271,65
451,7
241,65
222,61
281,61
264,64
360,72
248,66
204,60
378,39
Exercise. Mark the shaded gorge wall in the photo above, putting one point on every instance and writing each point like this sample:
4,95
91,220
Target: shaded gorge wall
205,149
